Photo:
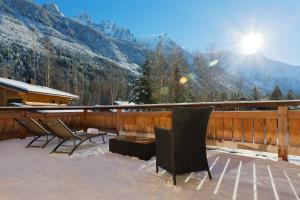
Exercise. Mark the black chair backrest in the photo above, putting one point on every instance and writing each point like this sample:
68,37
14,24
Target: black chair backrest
59,129
33,126
189,133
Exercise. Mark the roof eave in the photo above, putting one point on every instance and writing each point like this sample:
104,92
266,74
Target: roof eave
56,95
32,92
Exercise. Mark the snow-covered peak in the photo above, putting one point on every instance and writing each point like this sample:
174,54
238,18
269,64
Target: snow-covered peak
108,24
110,29
53,8
162,38
84,18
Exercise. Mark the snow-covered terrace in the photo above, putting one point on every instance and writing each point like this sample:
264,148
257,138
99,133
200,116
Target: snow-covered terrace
93,172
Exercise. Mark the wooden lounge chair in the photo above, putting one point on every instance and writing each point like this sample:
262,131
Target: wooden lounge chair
40,134
183,148
65,134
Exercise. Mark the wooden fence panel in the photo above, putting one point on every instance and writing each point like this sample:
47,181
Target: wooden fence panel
218,129
228,129
259,131
294,132
9,128
106,120
128,123
163,122
271,131
2,127
260,126
248,127
237,130
210,129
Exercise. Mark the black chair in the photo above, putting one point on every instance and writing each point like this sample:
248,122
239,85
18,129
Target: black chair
183,149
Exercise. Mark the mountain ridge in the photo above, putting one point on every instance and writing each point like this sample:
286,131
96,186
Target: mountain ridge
29,24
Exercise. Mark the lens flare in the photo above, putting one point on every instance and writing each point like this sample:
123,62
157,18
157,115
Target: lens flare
213,63
164,90
183,80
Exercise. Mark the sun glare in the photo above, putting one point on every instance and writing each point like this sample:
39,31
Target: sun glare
251,43
183,80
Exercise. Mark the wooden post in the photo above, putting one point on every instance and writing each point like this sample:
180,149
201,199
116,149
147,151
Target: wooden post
118,125
85,120
282,132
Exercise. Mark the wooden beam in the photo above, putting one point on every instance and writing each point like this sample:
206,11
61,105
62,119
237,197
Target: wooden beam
41,103
282,132
85,120
223,104
118,121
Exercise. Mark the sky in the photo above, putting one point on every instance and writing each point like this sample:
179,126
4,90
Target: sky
198,25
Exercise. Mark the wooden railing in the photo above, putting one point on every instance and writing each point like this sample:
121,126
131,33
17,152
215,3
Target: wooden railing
276,130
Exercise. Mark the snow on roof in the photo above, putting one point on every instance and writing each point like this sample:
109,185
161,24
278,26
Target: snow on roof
29,88
47,111
123,103
60,111
19,105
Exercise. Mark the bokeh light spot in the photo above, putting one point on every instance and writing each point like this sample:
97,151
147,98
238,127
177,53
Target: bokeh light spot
183,80
213,63
164,90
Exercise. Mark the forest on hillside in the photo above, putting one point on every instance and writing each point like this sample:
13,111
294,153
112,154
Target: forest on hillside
165,77
95,80
168,78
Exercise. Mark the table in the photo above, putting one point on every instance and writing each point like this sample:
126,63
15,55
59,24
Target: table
141,147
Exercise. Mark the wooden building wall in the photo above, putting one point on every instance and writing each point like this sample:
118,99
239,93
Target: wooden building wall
31,99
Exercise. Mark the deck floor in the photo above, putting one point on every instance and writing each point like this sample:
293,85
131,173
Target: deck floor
94,173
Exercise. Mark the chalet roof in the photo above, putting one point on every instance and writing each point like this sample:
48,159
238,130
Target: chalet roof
36,89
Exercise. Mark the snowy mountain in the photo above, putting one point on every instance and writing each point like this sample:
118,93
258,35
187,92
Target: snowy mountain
107,28
84,19
26,28
110,29
22,20
53,9
154,40
262,72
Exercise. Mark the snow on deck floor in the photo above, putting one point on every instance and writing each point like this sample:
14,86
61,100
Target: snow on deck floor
93,172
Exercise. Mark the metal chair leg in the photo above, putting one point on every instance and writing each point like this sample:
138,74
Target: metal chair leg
174,179
156,167
75,147
28,145
103,139
58,146
48,141
209,174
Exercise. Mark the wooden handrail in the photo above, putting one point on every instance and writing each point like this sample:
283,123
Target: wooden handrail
223,104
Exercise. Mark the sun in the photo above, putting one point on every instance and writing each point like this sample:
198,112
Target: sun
251,43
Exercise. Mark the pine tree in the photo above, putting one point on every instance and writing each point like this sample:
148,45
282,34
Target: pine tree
255,94
290,95
276,94
177,70
142,90
223,96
